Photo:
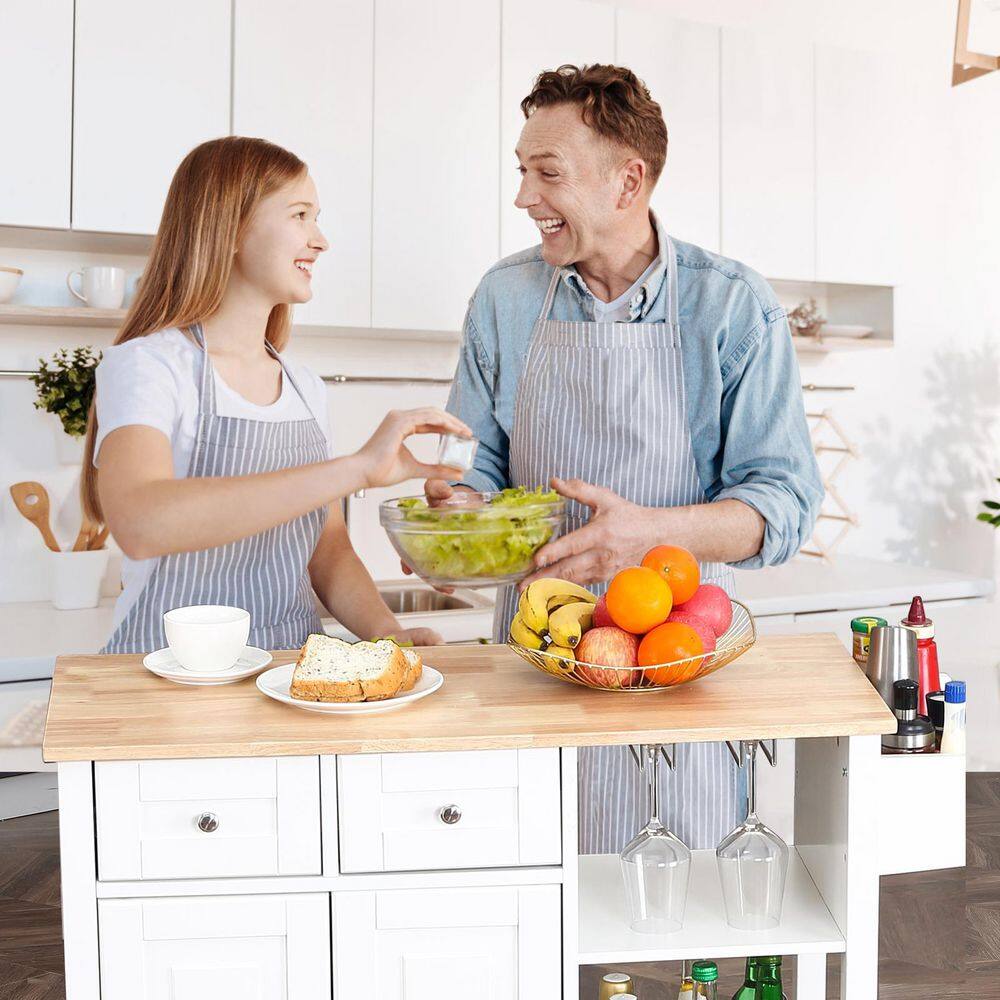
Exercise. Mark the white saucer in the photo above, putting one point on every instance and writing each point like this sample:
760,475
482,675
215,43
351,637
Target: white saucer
276,682
164,664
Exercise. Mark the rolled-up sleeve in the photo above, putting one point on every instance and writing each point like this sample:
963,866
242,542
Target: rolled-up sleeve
767,458
472,400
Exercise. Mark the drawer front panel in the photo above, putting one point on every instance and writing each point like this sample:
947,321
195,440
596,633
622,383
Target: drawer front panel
208,818
394,810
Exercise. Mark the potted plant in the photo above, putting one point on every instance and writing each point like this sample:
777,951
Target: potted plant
65,387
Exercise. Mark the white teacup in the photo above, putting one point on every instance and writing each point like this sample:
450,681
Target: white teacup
102,287
207,638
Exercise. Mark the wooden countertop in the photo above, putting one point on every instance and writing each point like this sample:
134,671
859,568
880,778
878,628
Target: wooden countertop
112,708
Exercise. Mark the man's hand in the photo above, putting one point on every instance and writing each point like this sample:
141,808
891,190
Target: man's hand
618,534
438,492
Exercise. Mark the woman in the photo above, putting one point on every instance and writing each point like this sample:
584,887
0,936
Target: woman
208,453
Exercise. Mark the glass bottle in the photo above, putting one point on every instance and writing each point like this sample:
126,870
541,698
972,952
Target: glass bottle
748,991
705,976
769,970
613,984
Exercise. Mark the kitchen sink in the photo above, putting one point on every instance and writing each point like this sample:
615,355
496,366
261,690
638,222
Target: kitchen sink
403,601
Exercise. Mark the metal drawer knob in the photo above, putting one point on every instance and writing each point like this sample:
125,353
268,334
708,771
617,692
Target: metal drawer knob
207,822
450,814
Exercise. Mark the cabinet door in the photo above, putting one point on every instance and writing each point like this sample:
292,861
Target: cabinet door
857,180
151,82
536,37
679,63
36,65
419,944
437,93
768,162
302,77
224,947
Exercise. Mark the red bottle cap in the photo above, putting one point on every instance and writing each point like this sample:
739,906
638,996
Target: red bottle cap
918,621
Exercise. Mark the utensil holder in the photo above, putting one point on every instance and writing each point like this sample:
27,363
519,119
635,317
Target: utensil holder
75,578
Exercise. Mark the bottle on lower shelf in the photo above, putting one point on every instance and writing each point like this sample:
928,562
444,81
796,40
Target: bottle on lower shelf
762,980
615,984
705,976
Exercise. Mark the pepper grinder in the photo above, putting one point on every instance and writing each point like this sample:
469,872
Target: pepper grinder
914,733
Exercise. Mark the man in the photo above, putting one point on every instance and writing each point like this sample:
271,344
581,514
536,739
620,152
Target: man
652,382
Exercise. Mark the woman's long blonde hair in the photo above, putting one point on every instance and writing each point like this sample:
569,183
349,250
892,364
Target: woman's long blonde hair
211,200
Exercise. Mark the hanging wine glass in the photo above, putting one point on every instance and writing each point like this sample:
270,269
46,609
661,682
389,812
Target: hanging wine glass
655,864
753,862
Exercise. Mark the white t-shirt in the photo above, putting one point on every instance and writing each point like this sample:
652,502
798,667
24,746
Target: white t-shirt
617,311
154,381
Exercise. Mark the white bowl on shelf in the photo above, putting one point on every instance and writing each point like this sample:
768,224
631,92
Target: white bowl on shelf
852,330
9,280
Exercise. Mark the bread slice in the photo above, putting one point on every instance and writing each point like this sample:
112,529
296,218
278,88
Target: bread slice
415,667
330,669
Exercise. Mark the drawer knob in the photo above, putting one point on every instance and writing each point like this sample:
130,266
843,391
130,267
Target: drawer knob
450,814
208,822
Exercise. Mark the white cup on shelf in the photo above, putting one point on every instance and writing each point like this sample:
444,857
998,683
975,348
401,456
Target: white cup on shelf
101,287
75,578
208,637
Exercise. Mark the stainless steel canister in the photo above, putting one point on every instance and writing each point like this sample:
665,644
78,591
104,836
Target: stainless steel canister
892,657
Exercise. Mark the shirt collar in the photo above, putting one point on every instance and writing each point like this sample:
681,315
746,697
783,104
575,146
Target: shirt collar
643,298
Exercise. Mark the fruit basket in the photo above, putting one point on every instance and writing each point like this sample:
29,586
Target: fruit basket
736,640
475,539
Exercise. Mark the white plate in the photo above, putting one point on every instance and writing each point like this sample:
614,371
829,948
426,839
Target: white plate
845,330
164,664
276,682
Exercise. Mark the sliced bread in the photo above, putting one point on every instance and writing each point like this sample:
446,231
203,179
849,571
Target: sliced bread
330,669
415,667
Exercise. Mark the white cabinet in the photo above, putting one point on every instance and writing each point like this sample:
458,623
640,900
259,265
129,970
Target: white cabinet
679,63
163,819
302,77
536,37
420,944
858,178
426,811
436,148
226,947
151,81
768,162
36,60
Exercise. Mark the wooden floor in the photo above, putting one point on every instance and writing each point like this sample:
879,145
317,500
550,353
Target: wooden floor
940,932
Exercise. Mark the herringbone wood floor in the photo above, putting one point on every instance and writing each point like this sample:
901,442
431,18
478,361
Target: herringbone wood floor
940,932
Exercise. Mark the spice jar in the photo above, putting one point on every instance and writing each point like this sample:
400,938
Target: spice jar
862,635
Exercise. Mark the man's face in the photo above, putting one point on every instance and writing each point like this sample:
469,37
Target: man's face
569,183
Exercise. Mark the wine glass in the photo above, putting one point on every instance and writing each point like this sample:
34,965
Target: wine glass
753,862
655,864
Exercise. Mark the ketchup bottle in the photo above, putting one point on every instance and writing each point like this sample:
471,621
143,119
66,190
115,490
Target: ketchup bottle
928,676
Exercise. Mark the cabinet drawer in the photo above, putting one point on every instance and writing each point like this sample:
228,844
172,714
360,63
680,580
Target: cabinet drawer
921,812
259,816
394,810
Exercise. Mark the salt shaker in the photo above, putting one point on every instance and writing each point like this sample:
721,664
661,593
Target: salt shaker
457,452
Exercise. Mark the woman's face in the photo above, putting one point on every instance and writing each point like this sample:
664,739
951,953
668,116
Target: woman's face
280,247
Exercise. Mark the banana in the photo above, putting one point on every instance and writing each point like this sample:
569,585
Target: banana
534,602
568,623
566,665
523,635
560,600
560,651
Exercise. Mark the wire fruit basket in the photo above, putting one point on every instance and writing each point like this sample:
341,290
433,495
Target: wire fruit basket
734,642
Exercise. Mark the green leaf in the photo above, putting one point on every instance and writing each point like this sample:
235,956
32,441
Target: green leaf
988,518
992,504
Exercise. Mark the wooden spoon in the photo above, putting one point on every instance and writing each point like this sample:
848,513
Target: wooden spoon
87,530
98,538
32,500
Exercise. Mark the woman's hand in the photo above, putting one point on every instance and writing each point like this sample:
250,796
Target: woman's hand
385,459
418,636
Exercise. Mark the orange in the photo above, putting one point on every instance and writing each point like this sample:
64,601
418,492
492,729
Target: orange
639,599
678,567
667,644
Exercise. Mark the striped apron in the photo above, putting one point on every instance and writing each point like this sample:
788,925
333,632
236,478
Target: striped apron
605,403
266,574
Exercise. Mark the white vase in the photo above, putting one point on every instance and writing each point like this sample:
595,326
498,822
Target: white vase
75,580
69,449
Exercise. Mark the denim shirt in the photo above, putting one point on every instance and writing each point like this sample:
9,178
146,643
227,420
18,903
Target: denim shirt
744,398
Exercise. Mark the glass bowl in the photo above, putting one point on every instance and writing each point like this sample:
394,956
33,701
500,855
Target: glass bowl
474,539
736,640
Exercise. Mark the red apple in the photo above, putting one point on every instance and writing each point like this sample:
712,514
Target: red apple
601,616
699,624
608,646
712,604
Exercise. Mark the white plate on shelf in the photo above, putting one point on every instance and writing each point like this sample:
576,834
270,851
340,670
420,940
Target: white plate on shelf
164,664
846,330
275,683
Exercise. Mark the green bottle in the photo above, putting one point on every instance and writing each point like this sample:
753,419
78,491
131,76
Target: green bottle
769,977
749,990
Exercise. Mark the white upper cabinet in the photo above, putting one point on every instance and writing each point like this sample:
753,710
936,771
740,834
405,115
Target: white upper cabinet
36,60
768,156
679,63
302,77
151,82
436,142
857,173
536,37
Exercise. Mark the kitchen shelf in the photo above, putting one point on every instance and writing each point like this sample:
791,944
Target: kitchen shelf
810,345
60,316
605,937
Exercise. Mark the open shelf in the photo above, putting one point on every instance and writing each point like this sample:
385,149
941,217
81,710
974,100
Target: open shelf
60,316
810,345
605,937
